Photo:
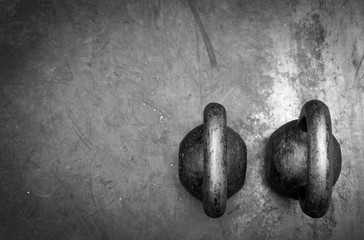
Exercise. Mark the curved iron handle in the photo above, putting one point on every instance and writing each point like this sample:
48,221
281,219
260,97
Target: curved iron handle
316,196
214,187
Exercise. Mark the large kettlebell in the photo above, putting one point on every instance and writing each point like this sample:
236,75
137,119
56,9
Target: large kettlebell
304,159
212,161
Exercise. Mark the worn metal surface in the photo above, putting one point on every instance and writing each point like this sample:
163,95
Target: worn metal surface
95,97
303,159
202,169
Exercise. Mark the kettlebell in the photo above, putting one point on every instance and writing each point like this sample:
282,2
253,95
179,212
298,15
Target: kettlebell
303,159
212,161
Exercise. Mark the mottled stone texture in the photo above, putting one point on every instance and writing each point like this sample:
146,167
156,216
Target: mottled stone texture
96,96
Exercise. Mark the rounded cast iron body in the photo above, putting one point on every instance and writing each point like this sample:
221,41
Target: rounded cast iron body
212,161
304,159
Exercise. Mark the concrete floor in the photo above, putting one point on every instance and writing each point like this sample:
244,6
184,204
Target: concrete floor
95,97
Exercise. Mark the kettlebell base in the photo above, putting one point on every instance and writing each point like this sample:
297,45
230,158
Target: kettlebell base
286,159
191,157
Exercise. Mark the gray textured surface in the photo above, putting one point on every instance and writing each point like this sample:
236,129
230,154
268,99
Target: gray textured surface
95,97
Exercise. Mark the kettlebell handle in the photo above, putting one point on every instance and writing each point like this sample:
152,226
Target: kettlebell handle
315,197
214,187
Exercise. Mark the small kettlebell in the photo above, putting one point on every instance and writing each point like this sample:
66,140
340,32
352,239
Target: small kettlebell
212,161
304,159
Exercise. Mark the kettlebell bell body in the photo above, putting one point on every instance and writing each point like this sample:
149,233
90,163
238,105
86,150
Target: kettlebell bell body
212,161
303,159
